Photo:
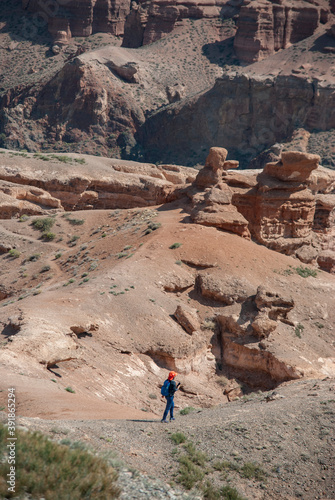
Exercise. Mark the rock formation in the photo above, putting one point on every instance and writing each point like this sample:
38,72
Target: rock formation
266,26
230,114
288,207
68,18
148,22
115,184
213,205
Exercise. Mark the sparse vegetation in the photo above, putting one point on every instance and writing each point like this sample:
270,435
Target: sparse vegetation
54,471
75,222
44,225
222,380
175,245
34,257
178,437
299,329
45,269
187,410
305,272
69,389
48,236
14,253
23,218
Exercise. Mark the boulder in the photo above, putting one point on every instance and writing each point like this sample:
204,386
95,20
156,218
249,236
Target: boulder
188,318
223,288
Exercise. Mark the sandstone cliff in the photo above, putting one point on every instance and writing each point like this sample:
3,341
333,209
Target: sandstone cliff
81,18
247,113
149,21
266,26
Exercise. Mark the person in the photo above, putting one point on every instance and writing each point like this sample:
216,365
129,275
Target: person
173,388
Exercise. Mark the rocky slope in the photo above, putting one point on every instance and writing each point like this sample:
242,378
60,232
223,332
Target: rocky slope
250,109
149,104
287,436
150,21
224,318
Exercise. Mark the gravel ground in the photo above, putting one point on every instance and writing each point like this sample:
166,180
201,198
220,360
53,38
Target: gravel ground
289,435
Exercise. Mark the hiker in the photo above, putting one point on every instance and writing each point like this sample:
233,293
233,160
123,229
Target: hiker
168,391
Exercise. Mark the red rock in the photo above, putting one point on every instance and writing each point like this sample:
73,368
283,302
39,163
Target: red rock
81,17
150,21
187,318
266,26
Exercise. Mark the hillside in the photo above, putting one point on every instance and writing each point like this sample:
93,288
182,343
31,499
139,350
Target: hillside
90,328
167,202
187,88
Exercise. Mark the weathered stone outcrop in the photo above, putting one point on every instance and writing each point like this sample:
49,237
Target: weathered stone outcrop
80,18
213,206
188,318
260,368
222,288
240,329
246,112
272,307
150,21
266,26
284,207
41,185
288,207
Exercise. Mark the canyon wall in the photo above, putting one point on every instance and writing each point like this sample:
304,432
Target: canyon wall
80,17
246,114
266,26
150,21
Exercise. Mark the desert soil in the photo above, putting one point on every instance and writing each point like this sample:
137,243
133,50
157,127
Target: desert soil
290,435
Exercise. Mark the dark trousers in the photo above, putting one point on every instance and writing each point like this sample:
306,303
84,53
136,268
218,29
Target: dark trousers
169,407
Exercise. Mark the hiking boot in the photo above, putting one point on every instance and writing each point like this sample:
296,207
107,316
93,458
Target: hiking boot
172,418
164,421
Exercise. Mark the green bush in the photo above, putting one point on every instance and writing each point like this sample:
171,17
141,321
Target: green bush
251,470
45,269
55,472
44,225
178,437
175,245
189,473
226,493
75,222
305,272
299,329
48,236
15,254
187,410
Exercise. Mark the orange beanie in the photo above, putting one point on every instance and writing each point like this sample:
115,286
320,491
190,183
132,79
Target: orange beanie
172,375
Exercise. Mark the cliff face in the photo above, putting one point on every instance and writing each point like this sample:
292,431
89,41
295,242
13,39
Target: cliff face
81,17
247,113
150,21
266,26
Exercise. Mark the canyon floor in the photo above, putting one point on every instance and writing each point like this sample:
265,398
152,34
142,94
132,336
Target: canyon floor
89,333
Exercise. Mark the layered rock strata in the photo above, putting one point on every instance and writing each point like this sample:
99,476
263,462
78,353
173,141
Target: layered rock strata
247,113
149,21
212,206
288,207
266,26
68,18
99,184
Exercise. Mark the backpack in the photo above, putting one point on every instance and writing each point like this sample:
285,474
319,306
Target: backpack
165,388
